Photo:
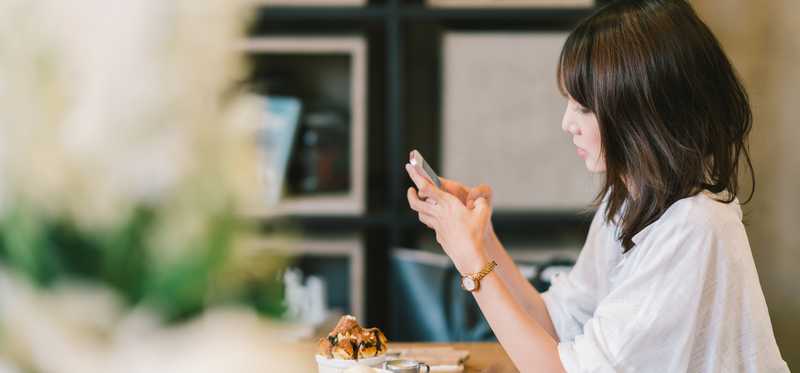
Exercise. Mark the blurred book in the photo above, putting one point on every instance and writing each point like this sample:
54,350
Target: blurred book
276,138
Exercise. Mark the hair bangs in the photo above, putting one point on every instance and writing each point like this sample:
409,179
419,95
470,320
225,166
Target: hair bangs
574,72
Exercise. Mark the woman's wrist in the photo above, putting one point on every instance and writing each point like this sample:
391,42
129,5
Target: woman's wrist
490,242
475,260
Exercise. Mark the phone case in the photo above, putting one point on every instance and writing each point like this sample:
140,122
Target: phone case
419,162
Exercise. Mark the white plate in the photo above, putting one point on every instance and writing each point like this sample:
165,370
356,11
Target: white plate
338,365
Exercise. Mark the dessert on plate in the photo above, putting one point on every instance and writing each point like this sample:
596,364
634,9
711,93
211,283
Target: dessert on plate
349,341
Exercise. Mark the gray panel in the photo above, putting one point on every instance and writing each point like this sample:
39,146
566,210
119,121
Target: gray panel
502,121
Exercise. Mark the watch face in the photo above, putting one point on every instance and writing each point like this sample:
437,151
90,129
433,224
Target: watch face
468,283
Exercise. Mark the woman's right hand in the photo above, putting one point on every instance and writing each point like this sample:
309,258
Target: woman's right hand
465,194
468,195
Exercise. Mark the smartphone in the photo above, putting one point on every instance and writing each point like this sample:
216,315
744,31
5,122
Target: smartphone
416,160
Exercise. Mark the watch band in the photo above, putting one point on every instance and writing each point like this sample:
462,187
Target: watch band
472,282
485,271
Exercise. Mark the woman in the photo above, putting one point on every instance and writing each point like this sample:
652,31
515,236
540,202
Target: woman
666,280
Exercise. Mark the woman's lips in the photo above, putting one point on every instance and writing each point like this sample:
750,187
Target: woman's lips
581,153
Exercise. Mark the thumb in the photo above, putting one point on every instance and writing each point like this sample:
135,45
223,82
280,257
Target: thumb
472,197
482,210
482,190
481,205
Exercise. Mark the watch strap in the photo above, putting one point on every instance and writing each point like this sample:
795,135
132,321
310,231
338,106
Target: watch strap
485,271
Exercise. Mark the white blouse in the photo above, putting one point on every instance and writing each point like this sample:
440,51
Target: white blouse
686,298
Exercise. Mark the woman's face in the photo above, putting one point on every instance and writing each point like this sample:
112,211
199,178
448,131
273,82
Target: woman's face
582,124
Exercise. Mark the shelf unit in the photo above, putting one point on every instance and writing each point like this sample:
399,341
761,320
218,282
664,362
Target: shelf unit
348,248
346,54
404,64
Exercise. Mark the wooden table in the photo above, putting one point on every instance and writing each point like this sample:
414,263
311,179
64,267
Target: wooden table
483,357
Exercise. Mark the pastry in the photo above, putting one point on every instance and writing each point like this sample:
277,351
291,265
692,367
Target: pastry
346,324
349,341
345,349
325,347
372,343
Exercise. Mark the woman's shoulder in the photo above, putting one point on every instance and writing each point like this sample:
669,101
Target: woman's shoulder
705,212
706,209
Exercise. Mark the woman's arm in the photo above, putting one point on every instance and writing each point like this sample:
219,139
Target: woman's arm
519,287
461,232
527,343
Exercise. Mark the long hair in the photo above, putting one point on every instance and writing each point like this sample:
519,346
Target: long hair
673,115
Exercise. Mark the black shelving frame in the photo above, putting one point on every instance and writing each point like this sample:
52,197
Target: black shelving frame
404,95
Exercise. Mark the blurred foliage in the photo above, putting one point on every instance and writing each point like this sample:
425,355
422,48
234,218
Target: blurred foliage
47,250
125,154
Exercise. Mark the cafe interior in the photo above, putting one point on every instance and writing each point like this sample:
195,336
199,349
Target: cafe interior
219,186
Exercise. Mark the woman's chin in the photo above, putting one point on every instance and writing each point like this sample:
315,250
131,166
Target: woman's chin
594,168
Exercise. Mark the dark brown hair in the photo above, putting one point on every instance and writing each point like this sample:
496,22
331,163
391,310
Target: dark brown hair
673,115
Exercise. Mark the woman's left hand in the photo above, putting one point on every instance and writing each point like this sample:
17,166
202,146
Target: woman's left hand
459,230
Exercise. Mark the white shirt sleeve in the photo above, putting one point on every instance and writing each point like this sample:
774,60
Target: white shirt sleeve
678,302
645,322
572,298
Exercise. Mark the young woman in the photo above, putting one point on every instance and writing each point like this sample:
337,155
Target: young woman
666,280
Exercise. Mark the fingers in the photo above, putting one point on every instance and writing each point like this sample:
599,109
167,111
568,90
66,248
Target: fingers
485,191
419,180
455,188
432,193
418,205
480,191
481,205
423,208
427,220
482,213
426,188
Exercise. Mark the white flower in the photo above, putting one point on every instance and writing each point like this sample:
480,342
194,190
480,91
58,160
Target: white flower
106,106
44,333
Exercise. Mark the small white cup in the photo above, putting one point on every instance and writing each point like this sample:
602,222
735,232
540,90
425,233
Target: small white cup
406,366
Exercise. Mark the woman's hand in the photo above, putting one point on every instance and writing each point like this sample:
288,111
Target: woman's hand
460,230
466,195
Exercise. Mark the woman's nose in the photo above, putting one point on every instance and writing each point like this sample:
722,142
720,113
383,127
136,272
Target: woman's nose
568,123
571,128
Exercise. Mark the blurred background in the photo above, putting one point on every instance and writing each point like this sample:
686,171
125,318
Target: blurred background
184,176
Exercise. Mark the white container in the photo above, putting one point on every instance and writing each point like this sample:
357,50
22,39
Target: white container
339,366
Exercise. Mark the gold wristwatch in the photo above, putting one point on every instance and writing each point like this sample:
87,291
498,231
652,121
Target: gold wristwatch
472,282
